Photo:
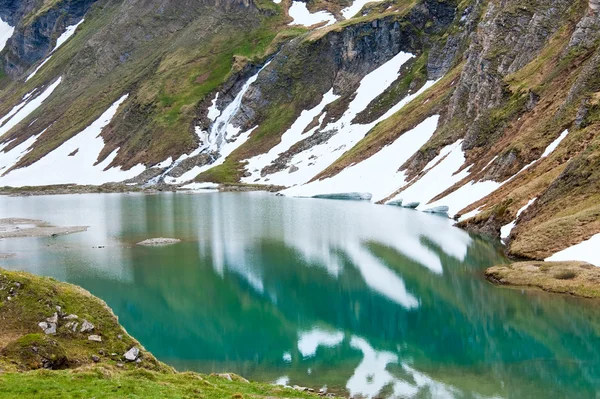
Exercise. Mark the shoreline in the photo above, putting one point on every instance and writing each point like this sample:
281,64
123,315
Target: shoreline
578,279
520,273
59,339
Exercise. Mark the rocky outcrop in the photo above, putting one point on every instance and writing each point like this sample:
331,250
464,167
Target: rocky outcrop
36,31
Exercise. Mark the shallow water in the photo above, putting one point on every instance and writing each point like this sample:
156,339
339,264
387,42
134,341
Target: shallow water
365,299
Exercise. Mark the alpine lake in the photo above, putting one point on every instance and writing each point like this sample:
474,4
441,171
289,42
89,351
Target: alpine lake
365,300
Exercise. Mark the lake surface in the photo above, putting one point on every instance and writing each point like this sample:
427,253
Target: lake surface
365,299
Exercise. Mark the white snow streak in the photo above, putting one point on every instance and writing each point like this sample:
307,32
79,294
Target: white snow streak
301,16
6,31
22,111
73,161
70,31
506,229
586,251
293,135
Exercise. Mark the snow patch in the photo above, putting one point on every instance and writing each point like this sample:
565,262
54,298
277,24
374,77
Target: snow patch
23,111
213,111
69,31
6,32
554,145
74,161
315,159
293,135
506,229
356,6
377,174
301,16
586,251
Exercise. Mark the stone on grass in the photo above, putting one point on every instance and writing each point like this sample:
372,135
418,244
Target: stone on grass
95,338
86,326
132,354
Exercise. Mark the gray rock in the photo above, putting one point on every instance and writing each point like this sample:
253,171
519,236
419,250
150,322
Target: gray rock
71,317
95,338
132,354
49,328
72,325
95,359
53,318
86,326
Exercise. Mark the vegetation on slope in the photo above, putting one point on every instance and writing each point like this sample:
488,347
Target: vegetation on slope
68,364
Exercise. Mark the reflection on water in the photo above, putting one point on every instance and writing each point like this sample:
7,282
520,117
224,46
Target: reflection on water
365,299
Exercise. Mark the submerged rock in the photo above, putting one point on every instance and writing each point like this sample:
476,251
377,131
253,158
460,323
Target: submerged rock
411,205
438,210
346,196
157,242
395,203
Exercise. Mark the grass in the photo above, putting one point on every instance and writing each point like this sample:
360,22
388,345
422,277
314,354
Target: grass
68,365
108,382
573,278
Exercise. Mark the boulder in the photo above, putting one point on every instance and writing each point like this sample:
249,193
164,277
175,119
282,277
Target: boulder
86,326
132,354
95,338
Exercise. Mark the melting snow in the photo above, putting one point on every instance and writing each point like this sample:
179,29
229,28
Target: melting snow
356,6
506,229
10,158
309,341
22,111
70,31
378,174
213,111
301,16
6,31
73,161
318,157
293,135
554,145
586,251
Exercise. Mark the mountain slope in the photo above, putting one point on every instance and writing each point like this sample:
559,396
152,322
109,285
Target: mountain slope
486,108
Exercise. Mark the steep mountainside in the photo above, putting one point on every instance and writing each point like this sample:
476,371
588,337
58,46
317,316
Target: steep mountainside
487,109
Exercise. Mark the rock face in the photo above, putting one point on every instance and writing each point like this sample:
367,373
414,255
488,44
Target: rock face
34,39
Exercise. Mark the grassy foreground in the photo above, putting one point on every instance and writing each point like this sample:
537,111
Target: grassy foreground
71,363
573,278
